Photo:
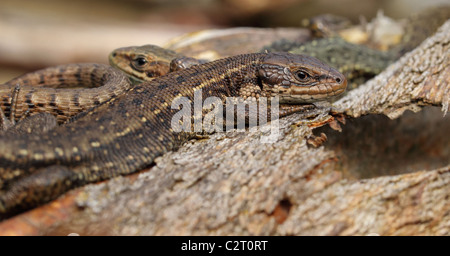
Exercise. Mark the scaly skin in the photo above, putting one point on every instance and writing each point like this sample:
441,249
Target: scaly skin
358,62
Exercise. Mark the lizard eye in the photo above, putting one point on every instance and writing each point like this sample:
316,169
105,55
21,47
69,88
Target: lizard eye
302,75
140,61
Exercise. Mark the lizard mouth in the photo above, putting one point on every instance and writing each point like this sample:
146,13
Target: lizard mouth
306,98
326,91
293,94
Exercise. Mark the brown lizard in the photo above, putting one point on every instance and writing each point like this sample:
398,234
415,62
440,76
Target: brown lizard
128,132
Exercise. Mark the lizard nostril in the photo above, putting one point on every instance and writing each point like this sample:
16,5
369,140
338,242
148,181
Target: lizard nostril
114,54
338,80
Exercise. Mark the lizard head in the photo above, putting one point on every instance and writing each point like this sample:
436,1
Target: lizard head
299,78
142,63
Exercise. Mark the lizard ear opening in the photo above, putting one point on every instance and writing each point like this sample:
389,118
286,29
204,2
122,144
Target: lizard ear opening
259,82
263,77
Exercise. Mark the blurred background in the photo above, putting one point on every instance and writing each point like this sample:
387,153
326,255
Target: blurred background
35,34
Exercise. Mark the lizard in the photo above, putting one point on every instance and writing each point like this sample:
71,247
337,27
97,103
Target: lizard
126,133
